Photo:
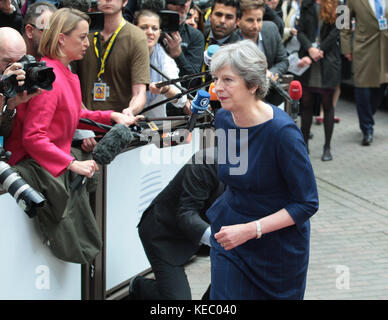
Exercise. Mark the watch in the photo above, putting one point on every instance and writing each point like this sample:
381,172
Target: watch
9,113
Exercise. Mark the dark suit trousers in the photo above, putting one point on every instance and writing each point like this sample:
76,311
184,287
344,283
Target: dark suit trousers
171,282
367,102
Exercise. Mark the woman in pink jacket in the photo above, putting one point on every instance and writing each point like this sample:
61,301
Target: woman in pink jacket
44,127
40,143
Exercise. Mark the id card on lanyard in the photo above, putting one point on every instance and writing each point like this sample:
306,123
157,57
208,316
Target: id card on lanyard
100,88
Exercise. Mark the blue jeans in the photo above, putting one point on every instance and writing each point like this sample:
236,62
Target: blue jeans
367,102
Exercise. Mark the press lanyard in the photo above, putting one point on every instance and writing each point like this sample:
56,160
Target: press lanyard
97,48
204,65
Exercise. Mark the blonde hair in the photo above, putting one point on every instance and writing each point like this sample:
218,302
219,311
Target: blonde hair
64,21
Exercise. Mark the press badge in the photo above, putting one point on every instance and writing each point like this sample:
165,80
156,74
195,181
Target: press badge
100,91
383,24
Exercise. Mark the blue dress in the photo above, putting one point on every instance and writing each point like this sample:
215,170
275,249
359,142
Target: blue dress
278,175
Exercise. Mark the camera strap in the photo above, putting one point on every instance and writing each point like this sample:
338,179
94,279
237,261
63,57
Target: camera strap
97,48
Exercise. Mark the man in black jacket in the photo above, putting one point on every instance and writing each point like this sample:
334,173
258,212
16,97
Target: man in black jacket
10,15
173,227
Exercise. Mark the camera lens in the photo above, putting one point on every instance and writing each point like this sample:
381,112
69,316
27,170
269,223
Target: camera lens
8,86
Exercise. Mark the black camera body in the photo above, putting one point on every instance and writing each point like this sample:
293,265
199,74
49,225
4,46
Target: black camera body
169,20
38,75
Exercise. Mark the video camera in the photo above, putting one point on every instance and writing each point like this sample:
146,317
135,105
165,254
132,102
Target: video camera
26,197
38,75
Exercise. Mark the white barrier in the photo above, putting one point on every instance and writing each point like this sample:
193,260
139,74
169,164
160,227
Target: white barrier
129,192
28,269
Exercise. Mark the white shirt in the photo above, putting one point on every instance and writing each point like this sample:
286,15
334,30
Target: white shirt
372,5
167,65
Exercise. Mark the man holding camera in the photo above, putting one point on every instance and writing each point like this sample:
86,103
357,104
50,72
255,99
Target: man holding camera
12,49
185,46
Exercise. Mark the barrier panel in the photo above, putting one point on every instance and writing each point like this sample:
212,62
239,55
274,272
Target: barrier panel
28,269
127,186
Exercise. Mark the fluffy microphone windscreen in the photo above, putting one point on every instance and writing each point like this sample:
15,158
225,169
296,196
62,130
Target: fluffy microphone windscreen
114,142
295,90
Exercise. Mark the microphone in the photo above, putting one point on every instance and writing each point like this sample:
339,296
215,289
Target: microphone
214,102
198,106
180,79
207,55
283,93
114,141
296,92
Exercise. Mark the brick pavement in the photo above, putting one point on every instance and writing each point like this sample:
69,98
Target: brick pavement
349,233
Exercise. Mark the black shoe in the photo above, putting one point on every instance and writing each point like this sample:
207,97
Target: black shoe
132,288
326,156
367,140
311,135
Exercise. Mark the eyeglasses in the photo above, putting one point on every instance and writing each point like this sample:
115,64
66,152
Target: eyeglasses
32,25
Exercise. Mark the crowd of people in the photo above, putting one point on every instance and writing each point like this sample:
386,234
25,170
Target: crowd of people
256,223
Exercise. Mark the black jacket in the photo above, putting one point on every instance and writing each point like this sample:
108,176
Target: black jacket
190,60
173,224
329,44
13,20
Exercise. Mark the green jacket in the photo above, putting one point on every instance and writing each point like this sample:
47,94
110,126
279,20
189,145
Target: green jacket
66,220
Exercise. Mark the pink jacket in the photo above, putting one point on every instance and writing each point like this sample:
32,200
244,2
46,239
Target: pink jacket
44,127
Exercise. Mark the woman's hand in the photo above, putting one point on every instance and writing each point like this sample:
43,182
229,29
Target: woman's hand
230,237
305,61
84,168
88,144
349,56
315,54
126,117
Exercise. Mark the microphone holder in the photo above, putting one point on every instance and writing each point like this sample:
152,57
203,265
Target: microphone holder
166,77
177,96
184,78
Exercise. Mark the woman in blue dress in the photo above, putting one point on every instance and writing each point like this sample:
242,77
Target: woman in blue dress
260,224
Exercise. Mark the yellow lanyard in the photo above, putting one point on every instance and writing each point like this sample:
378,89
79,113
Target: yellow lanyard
97,49
204,66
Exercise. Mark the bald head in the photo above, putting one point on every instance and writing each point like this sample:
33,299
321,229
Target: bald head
12,47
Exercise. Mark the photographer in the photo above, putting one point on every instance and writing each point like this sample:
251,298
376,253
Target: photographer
41,142
149,21
185,46
12,48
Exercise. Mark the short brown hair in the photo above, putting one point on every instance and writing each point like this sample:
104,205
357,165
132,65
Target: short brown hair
251,5
64,20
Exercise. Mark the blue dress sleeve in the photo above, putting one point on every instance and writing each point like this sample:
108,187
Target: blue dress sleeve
298,174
